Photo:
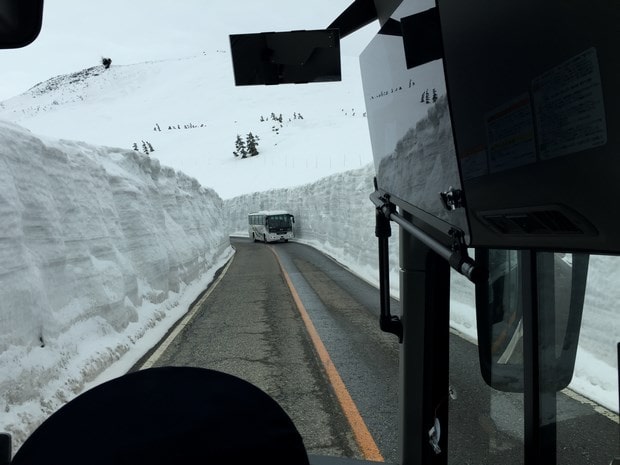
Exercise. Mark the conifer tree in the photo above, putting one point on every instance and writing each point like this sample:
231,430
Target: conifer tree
150,147
251,144
240,149
135,146
435,97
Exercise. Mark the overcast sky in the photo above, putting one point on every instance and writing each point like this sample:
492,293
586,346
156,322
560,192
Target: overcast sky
77,33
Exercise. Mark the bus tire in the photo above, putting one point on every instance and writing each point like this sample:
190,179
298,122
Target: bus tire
254,237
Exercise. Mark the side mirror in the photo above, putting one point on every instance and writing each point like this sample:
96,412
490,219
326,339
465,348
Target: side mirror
505,299
20,22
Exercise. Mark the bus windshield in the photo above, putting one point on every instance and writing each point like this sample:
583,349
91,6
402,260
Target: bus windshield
279,221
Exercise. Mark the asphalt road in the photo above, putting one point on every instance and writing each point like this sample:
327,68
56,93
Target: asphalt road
250,326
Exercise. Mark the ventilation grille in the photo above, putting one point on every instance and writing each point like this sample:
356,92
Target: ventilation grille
540,222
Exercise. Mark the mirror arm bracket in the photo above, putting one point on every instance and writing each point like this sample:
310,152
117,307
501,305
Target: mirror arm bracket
461,261
456,254
387,322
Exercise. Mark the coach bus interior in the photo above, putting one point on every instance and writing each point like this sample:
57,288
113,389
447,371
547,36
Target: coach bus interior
518,204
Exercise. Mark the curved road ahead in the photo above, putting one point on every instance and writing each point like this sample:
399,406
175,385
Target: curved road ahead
250,325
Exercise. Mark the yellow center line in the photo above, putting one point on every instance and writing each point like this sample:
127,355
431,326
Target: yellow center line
364,439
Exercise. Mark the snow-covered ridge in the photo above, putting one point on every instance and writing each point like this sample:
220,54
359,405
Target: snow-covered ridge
87,86
63,80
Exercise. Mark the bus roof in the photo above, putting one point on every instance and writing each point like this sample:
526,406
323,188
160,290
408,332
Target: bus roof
271,212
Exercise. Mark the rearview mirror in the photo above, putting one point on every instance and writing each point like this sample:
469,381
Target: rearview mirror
20,22
504,305
293,57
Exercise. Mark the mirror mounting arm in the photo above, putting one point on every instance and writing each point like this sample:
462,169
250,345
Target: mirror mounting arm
387,322
456,254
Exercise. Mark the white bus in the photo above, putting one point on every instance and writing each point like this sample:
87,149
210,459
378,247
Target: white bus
270,226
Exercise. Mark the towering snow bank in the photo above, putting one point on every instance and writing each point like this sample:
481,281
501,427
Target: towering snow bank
95,243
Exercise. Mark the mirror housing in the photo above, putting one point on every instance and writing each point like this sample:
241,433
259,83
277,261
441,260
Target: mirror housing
293,57
504,306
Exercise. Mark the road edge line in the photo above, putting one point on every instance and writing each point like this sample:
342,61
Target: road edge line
184,321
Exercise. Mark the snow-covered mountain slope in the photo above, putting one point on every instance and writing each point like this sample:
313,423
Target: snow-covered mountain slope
189,112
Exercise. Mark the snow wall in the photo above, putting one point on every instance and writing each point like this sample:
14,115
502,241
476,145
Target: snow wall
96,244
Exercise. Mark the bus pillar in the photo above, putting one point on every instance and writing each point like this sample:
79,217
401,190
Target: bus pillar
424,353
539,358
